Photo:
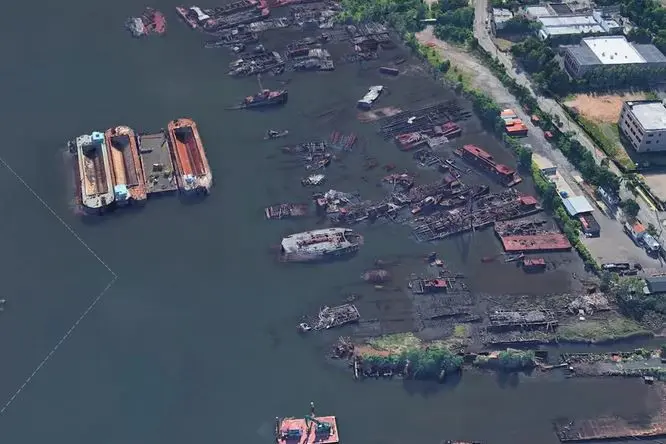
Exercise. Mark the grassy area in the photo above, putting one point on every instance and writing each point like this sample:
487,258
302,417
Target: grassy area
400,342
599,331
461,331
503,45
396,343
607,136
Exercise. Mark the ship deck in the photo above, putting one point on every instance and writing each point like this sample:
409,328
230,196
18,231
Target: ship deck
311,437
536,243
157,165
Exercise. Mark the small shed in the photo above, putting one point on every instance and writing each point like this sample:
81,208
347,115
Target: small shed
576,205
655,284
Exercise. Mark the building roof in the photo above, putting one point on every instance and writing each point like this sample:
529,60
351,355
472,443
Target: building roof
542,162
583,55
538,11
560,8
650,53
650,114
576,205
501,14
656,284
613,50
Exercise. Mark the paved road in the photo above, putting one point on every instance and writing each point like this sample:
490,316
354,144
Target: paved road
647,214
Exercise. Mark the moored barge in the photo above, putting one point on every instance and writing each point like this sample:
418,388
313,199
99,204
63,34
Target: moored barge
223,22
126,168
308,429
95,178
323,244
473,154
194,173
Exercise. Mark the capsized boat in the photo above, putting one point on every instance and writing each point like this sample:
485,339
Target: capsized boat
320,244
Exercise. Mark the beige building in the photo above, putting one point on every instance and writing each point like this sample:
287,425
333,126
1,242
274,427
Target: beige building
643,123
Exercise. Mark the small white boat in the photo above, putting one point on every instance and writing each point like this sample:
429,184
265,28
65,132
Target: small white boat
370,97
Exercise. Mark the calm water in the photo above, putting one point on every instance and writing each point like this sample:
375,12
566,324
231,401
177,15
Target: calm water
195,341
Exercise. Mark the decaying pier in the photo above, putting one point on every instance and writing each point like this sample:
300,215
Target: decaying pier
257,64
521,320
422,119
480,213
331,317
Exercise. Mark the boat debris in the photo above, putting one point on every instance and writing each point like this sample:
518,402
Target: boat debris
275,134
376,276
331,317
286,210
370,97
313,180
150,22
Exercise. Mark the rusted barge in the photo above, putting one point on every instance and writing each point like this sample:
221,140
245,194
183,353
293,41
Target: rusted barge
194,173
126,168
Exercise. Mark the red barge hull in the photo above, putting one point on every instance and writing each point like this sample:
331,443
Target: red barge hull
549,242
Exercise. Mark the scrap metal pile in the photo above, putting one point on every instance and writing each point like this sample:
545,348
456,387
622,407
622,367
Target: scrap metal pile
330,317
479,213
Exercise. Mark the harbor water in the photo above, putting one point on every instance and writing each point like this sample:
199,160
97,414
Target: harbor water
175,323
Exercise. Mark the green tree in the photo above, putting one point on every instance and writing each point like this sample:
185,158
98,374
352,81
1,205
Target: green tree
630,208
525,157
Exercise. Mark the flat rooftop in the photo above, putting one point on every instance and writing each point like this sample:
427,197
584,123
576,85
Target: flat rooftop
651,115
613,50
538,11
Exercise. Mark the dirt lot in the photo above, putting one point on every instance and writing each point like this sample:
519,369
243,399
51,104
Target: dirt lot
480,75
601,109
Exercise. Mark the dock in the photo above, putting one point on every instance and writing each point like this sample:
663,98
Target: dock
158,167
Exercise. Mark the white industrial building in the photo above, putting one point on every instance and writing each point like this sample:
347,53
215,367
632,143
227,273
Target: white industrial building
610,51
577,205
643,123
558,20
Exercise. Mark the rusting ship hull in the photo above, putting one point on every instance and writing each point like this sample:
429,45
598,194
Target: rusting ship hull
194,173
96,187
126,166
